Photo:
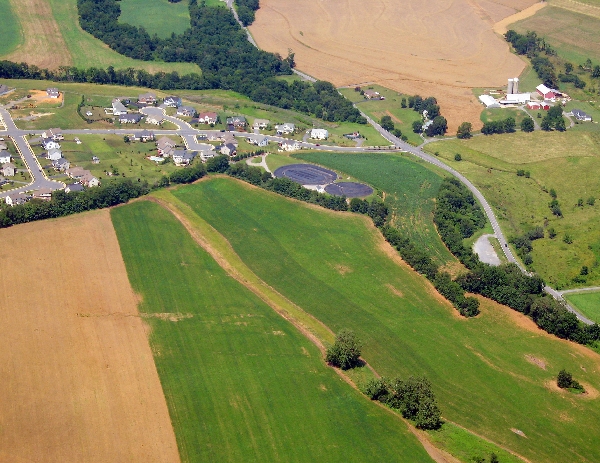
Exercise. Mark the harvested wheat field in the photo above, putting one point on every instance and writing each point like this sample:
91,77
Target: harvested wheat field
439,47
43,43
79,382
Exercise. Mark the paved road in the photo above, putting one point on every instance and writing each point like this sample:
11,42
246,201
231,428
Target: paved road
580,290
417,151
39,179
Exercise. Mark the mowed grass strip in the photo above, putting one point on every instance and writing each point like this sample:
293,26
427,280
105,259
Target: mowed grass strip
242,384
11,28
410,191
484,371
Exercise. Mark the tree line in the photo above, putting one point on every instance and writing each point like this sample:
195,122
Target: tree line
246,10
531,45
219,46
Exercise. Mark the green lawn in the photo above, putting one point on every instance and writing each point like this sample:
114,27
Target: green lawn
391,106
159,17
12,35
588,303
567,162
128,159
478,367
87,51
241,383
497,114
410,189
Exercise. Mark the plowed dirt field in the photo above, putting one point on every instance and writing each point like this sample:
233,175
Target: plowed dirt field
440,48
79,382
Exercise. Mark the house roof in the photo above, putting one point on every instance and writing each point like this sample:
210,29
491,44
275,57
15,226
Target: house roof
186,109
75,187
544,90
146,133
234,119
210,115
147,96
230,146
9,165
131,117
172,98
579,113
5,154
165,141
60,162
488,100
261,121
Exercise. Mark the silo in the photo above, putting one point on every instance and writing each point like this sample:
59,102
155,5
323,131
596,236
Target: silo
509,90
516,85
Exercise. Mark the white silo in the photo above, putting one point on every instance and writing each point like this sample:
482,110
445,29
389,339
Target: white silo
510,88
516,85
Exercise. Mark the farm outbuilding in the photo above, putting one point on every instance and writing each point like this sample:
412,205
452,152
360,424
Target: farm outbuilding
489,101
547,93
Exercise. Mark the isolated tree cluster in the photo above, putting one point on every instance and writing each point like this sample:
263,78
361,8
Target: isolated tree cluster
413,397
565,380
345,351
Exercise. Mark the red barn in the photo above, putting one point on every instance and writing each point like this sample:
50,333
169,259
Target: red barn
547,93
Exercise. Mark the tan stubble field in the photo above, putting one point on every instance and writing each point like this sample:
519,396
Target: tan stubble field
438,48
79,382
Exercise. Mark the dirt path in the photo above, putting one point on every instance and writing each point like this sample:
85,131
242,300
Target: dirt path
501,27
79,382
44,44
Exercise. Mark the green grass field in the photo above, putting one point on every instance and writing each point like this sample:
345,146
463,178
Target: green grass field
159,17
497,114
391,106
241,383
481,383
129,159
409,186
88,51
11,29
588,303
567,162
575,36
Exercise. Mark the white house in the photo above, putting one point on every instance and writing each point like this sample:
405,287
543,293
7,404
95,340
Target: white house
290,145
147,98
16,198
118,107
285,129
187,111
260,124
8,169
172,101
580,115
206,155
208,118
155,119
49,144
257,139
4,157
89,180
55,134
319,134
61,164
489,101
54,154
52,92
183,157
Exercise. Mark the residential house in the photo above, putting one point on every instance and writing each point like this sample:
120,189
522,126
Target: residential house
74,187
236,122
257,139
48,144
61,164
228,137
130,118
319,134
118,108
15,199
229,149
45,194
547,93
372,95
208,118
95,160
285,129
165,146
54,154
156,119
77,172
580,115
146,135
8,169
4,157
52,92
172,101
206,155
260,124
187,111
54,134
183,157
89,180
214,135
290,145
147,98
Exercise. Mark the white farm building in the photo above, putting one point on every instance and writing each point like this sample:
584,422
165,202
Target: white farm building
489,101
319,134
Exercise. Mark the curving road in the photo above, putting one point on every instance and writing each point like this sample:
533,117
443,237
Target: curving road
417,151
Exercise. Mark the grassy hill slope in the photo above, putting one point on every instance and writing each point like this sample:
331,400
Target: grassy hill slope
492,374
242,384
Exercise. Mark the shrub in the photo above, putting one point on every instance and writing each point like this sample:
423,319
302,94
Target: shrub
457,157
565,380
